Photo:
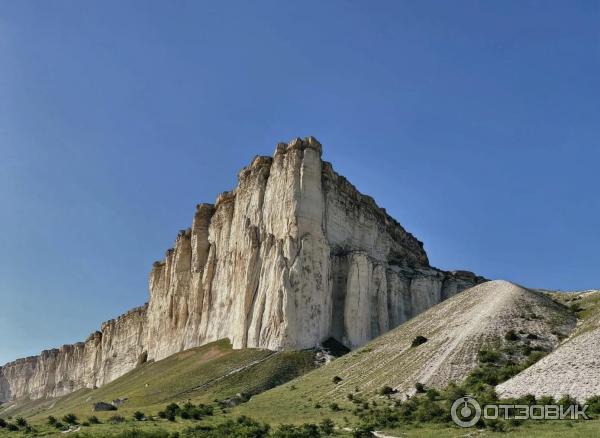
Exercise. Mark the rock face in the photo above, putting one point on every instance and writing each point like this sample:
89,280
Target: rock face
103,357
291,257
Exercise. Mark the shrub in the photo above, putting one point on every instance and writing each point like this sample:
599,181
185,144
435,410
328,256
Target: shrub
138,416
93,420
496,425
419,340
116,419
12,427
387,390
453,392
21,422
327,426
70,419
432,394
85,424
428,411
575,307
304,431
336,379
162,414
486,356
363,431
2,423
242,427
546,400
527,399
51,420
172,408
532,336
59,425
511,336
334,407
567,400
420,387
593,404
534,357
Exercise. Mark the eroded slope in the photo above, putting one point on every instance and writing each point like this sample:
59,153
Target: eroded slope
456,330
574,367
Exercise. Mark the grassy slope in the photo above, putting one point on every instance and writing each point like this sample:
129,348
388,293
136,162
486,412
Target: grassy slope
587,305
294,402
150,387
572,368
457,329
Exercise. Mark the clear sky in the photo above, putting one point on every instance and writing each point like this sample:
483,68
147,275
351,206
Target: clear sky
476,124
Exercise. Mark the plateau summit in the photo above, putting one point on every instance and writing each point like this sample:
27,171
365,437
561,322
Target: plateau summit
290,258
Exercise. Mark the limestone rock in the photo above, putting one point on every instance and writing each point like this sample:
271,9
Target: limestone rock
293,256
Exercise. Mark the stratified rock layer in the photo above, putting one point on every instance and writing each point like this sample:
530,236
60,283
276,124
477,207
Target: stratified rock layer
291,257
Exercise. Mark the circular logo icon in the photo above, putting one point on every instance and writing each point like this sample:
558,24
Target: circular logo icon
466,411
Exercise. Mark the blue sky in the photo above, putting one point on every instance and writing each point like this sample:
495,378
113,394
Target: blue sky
475,124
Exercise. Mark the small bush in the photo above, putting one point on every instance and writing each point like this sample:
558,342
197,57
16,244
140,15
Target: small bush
511,336
304,431
70,419
93,420
453,392
116,419
336,379
12,427
21,422
567,400
85,424
420,387
138,416
593,405
327,427
487,356
51,420
419,340
496,425
59,425
387,390
432,394
334,407
546,400
162,414
2,423
575,307
363,431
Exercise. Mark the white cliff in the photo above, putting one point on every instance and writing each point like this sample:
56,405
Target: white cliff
292,256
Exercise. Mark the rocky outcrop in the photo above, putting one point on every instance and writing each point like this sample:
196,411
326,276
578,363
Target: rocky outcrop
103,357
292,256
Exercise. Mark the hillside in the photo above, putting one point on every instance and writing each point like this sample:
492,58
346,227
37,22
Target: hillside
213,371
456,331
574,367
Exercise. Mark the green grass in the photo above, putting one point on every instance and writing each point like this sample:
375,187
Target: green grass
199,375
